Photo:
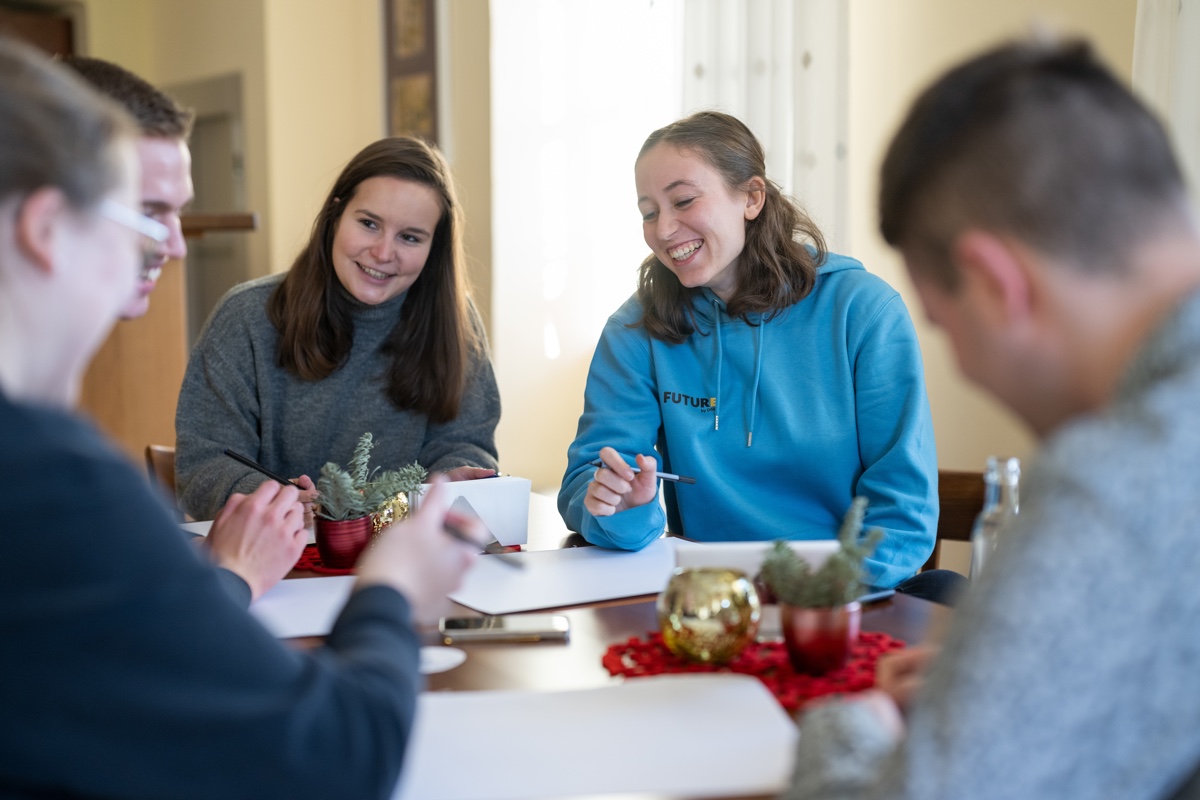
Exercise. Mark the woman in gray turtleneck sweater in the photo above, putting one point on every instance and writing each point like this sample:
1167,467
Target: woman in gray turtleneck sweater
372,329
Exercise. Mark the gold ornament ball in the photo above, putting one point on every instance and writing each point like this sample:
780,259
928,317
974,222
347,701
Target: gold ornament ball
708,614
394,510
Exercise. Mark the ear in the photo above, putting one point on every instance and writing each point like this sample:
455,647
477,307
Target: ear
756,197
37,223
998,269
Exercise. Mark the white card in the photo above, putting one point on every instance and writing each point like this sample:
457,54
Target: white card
501,503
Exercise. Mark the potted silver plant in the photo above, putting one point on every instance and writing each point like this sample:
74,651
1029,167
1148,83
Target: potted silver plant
349,498
818,610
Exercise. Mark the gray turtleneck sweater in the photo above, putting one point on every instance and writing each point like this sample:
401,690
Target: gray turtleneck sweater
1072,666
235,396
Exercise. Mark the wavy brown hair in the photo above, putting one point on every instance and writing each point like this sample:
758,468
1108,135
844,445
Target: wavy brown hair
433,340
777,269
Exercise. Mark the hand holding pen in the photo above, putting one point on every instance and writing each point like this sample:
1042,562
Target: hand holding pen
308,490
617,486
454,527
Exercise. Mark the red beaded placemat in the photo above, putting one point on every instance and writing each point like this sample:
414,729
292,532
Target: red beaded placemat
310,559
766,660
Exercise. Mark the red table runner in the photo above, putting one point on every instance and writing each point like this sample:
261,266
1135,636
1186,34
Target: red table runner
768,661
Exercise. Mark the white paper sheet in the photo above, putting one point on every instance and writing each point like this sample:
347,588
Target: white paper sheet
303,606
200,528
693,735
502,503
747,556
554,578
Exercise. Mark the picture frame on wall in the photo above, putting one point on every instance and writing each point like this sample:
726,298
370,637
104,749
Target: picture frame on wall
411,85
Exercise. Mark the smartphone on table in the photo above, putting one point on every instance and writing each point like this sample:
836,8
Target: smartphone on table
508,628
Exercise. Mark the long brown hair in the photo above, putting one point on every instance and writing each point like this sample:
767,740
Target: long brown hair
776,269
432,343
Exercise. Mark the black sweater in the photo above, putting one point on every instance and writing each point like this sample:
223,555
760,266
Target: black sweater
127,671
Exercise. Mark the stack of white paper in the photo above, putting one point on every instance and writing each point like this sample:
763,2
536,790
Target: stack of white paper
715,735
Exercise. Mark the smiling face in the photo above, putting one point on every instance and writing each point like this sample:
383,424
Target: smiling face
166,189
383,237
691,220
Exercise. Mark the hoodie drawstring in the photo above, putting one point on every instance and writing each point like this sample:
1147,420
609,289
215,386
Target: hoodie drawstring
717,410
762,332
757,374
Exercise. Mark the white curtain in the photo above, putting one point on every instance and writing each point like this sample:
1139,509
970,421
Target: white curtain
781,67
576,88
1166,73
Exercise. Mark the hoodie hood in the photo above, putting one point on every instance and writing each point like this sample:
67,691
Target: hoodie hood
712,314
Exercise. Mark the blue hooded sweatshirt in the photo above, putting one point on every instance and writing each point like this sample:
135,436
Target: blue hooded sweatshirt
782,422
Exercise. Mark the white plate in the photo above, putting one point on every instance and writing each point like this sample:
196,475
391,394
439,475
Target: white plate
440,659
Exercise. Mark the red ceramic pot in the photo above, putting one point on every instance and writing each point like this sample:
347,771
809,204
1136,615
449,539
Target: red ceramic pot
340,541
819,639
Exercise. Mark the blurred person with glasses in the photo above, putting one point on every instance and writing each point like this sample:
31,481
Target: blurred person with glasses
128,669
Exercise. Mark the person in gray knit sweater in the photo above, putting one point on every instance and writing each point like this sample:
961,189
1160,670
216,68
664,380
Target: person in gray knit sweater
1046,226
371,330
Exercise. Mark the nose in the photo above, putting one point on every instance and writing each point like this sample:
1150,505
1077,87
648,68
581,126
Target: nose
175,246
381,250
664,226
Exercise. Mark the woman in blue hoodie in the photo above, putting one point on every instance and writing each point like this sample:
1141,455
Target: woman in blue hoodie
785,379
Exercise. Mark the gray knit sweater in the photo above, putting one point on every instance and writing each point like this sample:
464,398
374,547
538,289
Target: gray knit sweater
235,396
1073,666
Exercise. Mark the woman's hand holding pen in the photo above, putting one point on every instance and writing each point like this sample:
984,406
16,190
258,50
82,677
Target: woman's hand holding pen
308,496
616,487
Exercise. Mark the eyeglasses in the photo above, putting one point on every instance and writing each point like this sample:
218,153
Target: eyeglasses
140,223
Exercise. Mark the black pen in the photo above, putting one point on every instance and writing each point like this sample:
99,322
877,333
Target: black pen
666,476
252,464
458,533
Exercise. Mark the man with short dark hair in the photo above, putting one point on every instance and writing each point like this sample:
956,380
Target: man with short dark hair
164,156
261,553
1045,224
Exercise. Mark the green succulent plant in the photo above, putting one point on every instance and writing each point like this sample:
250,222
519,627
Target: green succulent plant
836,582
359,490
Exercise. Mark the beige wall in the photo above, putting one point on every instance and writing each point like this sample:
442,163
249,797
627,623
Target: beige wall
324,77
896,47
189,40
467,133
312,89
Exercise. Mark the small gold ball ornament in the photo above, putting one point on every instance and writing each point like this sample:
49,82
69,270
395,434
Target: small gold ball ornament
393,510
708,614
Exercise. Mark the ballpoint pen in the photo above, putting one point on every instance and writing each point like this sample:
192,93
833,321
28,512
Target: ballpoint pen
252,464
666,476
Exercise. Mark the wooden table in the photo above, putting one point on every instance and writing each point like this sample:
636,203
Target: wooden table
575,664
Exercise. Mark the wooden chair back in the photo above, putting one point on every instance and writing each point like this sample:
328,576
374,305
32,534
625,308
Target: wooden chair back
160,463
960,499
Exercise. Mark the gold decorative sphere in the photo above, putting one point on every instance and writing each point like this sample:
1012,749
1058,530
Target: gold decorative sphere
394,510
708,614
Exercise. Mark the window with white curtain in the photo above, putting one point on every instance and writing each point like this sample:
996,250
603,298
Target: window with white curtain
1166,73
780,66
